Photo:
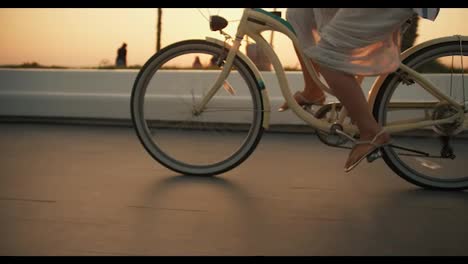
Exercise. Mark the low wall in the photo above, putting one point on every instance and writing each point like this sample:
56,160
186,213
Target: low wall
105,94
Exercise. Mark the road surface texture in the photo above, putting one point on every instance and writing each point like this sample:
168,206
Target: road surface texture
93,190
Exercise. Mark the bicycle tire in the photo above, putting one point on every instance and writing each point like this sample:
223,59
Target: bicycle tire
196,135
426,172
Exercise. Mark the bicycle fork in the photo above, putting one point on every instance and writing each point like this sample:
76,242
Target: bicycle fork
198,109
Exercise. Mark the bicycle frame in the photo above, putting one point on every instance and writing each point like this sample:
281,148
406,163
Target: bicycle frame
255,21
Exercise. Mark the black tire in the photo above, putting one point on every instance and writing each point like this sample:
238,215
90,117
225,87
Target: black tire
427,172
211,143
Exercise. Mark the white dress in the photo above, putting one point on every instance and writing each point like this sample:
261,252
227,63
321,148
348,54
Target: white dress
359,41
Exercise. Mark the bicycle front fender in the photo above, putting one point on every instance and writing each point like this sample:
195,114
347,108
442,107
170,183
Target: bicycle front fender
379,81
258,77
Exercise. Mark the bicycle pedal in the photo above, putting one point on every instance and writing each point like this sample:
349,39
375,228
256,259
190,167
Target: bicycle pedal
374,155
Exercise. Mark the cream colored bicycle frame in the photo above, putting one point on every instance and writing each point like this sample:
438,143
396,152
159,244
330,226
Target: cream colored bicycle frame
254,22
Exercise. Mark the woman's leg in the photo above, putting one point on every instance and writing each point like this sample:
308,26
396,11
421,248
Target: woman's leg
362,41
347,89
311,91
303,22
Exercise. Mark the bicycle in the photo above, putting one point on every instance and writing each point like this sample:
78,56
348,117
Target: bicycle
427,121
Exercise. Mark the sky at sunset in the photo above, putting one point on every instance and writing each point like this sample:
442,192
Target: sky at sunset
86,37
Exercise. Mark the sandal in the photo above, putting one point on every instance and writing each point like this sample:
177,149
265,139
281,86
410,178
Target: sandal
302,101
369,152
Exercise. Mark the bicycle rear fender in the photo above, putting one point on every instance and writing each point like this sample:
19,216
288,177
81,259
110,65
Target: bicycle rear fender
258,77
379,81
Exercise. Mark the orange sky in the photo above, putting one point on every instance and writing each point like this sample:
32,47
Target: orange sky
85,37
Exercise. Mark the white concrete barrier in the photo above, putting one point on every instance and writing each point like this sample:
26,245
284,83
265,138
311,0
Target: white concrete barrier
105,94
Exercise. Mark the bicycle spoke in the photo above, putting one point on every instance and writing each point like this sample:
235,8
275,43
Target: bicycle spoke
223,134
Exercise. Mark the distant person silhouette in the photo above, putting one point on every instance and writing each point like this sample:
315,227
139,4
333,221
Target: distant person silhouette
121,61
197,63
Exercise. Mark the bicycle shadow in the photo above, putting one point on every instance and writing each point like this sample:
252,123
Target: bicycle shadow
404,221
178,182
420,221
431,198
419,203
420,192
178,206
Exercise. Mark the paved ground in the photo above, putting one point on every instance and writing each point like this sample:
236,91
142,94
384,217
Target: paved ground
93,190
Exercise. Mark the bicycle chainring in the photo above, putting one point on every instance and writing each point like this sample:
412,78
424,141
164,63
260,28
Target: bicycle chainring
325,112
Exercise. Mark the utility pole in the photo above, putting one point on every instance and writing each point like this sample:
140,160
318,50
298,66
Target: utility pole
158,30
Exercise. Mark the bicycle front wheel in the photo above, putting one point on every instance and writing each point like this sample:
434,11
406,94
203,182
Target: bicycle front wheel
165,94
431,157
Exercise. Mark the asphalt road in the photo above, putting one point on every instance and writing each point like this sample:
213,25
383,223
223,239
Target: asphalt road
93,190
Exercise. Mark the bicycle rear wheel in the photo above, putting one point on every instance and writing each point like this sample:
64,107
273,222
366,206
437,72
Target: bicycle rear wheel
165,92
443,149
